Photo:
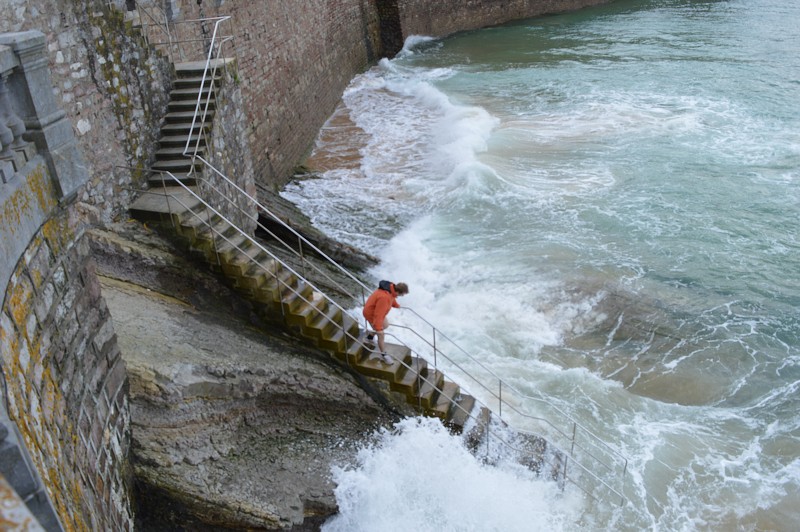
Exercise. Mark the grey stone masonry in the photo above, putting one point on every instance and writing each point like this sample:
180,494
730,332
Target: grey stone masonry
64,416
46,123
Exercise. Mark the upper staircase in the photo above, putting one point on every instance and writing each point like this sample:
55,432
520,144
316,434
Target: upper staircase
182,127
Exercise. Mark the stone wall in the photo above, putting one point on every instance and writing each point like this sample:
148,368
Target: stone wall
62,380
229,153
295,59
113,89
443,17
65,382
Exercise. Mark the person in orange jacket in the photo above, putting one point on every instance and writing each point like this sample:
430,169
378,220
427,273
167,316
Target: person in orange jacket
378,306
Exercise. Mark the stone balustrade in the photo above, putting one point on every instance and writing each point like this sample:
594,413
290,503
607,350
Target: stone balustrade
29,112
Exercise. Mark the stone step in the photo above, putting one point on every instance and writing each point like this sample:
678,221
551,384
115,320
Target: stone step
186,116
293,298
196,68
215,243
183,165
183,128
324,324
341,336
176,152
246,268
373,365
306,313
429,390
159,179
191,80
409,381
158,204
229,242
460,413
357,349
198,226
182,106
190,94
270,291
180,141
444,400
249,265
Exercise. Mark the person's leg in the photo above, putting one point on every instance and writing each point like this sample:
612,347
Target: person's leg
381,346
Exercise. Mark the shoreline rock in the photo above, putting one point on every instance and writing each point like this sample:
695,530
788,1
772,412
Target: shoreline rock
233,425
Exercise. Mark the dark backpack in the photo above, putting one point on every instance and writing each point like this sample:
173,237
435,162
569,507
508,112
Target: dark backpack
385,285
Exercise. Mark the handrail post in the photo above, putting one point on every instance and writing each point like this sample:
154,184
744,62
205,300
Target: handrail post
167,198
435,351
500,399
574,430
302,256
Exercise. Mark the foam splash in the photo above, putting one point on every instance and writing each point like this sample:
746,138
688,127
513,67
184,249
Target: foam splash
420,477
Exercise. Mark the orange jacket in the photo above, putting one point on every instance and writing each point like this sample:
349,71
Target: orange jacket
379,304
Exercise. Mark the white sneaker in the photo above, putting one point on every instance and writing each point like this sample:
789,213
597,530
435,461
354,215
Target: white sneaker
387,359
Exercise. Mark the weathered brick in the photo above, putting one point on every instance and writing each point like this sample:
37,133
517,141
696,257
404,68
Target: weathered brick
98,376
104,335
115,379
43,306
20,301
8,335
59,278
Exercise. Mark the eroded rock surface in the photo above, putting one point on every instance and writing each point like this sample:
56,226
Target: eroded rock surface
232,427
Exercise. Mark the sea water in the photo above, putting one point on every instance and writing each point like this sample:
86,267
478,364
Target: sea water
603,209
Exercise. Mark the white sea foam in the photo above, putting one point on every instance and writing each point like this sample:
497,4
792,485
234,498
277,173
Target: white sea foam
420,477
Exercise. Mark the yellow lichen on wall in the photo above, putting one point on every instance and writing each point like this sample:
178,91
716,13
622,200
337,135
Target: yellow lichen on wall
36,402
20,303
38,192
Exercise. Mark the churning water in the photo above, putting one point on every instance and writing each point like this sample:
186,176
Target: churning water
603,208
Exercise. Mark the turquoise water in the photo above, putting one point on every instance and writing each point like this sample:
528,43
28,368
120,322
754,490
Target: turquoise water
604,208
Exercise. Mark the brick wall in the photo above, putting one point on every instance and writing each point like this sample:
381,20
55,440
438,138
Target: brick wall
63,397
295,59
443,17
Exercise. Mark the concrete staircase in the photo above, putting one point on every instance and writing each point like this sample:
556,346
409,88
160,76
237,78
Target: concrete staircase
178,126
278,293
282,296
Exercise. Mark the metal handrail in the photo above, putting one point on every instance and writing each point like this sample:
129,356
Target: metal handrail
159,19
436,333
285,245
438,352
164,27
504,385
214,49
